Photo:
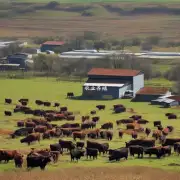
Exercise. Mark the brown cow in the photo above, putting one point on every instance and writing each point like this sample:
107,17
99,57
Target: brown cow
20,124
108,125
148,131
31,138
7,155
18,160
121,132
130,126
157,134
134,135
80,135
40,129
30,124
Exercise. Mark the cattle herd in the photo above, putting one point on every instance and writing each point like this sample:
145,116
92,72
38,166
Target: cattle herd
43,125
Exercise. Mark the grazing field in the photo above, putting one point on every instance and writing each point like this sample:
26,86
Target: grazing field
53,91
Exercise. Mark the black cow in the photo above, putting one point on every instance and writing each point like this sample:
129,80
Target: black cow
157,123
171,128
55,147
124,121
118,154
177,147
80,145
76,154
158,151
139,150
91,152
171,141
39,102
172,116
66,145
70,95
141,142
108,125
37,161
101,107
63,109
18,160
93,112
119,110
22,132
101,147
7,113
142,121
56,104
95,119
8,101
106,135
48,104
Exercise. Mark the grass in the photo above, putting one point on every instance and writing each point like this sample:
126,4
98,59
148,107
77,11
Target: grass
50,89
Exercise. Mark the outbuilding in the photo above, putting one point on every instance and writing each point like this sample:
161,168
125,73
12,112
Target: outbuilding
147,94
51,45
112,83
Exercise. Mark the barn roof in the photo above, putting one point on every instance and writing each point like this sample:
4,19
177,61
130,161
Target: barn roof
113,72
153,90
58,43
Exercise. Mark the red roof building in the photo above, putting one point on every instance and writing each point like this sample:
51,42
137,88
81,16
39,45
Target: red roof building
113,72
51,45
153,91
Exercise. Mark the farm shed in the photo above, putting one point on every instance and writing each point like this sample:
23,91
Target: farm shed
166,102
112,83
18,58
147,94
51,45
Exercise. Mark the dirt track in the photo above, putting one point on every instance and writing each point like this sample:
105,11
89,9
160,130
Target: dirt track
126,173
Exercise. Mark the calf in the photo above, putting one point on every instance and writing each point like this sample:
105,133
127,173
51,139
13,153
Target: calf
76,154
70,95
147,131
91,152
93,112
8,101
56,104
139,150
121,133
18,160
7,113
101,107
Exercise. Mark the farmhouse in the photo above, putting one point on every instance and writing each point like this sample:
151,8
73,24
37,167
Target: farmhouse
51,45
147,94
112,83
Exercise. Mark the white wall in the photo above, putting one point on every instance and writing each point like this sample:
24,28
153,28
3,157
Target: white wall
138,83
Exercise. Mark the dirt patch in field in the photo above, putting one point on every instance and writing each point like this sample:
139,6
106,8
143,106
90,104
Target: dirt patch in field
124,173
5,132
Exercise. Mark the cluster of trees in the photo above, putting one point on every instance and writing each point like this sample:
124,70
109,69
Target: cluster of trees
174,75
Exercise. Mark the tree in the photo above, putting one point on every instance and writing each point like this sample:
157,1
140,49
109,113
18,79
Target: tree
177,87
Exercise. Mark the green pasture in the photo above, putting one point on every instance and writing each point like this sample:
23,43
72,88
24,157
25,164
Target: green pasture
51,90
